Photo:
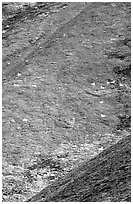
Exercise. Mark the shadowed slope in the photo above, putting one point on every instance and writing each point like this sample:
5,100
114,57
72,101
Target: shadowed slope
104,178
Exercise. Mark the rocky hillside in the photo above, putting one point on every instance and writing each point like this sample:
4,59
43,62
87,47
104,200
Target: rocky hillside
66,89
106,178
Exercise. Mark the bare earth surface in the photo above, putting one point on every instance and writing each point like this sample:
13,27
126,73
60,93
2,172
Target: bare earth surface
66,91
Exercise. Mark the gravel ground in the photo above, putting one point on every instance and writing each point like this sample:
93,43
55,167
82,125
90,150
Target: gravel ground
66,89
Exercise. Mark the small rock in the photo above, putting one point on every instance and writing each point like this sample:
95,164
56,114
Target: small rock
101,101
26,61
112,82
93,84
101,149
103,116
12,120
121,84
16,85
25,120
19,74
18,128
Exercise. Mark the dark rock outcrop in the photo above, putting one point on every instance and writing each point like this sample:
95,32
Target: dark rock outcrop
104,178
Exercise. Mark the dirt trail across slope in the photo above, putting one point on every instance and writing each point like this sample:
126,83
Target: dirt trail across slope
65,98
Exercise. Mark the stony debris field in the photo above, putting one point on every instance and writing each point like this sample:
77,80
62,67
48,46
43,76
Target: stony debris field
66,97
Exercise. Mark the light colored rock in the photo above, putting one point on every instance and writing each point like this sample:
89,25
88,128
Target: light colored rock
25,119
19,74
103,116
